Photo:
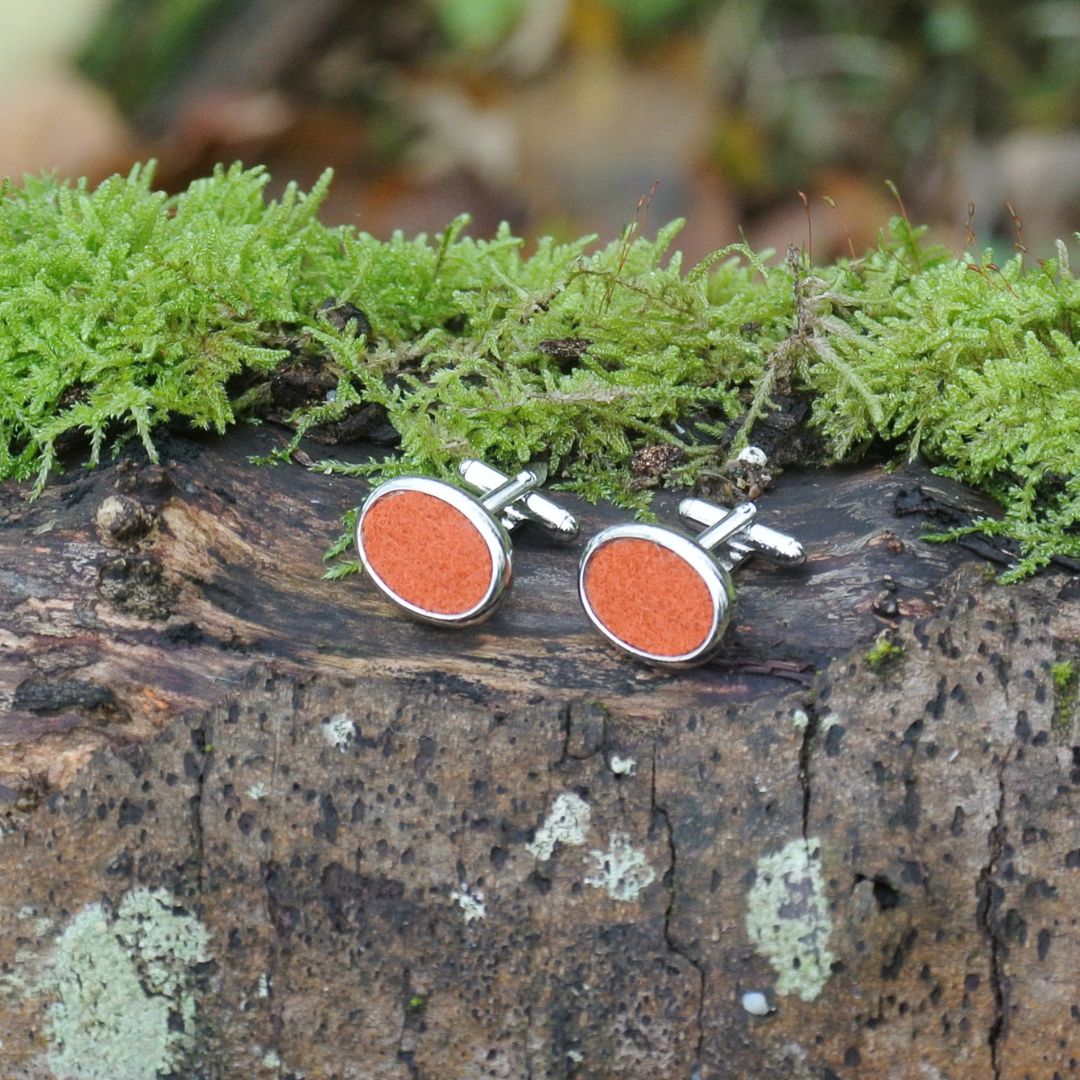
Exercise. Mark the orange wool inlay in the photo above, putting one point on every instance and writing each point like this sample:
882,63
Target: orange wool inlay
649,597
427,552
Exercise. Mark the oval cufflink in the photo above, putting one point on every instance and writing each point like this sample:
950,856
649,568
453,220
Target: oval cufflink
665,597
442,554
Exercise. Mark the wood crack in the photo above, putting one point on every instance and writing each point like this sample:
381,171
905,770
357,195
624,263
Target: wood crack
805,747
990,896
673,946
202,744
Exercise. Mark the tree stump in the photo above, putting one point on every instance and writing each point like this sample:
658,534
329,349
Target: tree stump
257,825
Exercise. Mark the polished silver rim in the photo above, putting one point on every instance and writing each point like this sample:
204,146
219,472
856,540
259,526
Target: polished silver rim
494,536
717,580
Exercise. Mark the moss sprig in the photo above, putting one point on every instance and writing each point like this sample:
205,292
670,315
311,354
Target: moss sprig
122,309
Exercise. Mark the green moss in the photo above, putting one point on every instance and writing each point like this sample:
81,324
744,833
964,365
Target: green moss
1063,674
1066,679
125,1002
122,309
882,651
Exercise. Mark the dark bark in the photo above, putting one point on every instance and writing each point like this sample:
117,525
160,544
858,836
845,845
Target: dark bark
360,810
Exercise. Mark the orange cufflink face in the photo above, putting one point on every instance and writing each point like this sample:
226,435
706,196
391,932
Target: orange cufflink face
433,550
655,594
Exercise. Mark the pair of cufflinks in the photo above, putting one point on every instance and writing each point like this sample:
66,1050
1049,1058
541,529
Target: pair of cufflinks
443,555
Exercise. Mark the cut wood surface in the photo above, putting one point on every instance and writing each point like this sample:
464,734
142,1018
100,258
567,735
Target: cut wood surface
257,824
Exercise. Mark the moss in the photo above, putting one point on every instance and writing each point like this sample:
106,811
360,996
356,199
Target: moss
123,982
882,651
122,309
1063,674
1066,679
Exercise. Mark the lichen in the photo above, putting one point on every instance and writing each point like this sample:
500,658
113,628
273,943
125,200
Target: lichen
622,871
339,731
471,902
787,918
567,822
125,1000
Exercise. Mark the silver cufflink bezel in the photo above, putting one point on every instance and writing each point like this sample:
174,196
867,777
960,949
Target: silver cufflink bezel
494,536
713,574
499,505
728,539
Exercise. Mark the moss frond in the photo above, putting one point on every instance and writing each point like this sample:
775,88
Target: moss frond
122,309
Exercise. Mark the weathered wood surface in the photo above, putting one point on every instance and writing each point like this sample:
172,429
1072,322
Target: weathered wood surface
257,825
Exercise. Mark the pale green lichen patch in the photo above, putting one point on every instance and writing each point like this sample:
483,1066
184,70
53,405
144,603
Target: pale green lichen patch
787,918
125,991
567,822
339,731
471,902
622,871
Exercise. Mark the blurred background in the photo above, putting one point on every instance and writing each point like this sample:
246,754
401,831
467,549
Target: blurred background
558,115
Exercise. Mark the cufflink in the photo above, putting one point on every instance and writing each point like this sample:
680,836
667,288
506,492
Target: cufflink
665,597
443,555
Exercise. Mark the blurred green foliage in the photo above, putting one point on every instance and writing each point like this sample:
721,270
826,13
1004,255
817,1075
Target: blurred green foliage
482,24
140,46
475,25
892,85
640,18
897,88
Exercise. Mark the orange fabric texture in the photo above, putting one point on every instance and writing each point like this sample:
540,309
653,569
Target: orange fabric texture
649,597
427,553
